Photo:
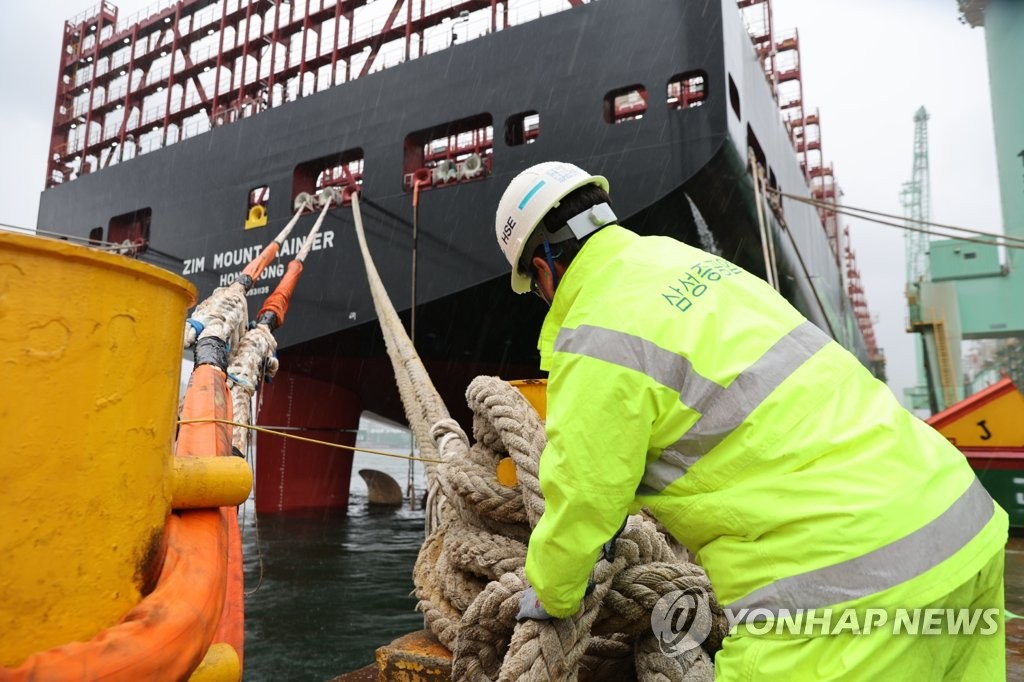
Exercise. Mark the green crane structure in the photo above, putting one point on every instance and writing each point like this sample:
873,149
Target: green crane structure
928,316
972,288
990,291
916,201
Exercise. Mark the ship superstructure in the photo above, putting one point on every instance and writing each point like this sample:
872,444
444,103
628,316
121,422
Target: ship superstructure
672,100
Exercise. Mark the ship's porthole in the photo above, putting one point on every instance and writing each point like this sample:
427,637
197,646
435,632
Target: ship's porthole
625,104
734,98
256,213
522,128
687,90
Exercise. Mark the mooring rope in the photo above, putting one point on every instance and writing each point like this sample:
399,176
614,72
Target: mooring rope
421,401
254,357
304,439
224,313
469,574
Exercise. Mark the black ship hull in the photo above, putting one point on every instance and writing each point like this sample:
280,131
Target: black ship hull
672,171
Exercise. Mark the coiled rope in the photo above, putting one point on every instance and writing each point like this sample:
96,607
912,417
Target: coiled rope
469,574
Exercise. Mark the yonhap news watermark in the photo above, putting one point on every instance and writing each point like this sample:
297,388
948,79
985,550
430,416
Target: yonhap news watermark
682,620
921,621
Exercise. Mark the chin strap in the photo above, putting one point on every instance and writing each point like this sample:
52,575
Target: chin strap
551,264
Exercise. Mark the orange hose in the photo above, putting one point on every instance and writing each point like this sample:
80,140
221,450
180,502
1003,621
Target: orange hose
232,619
167,634
278,301
206,397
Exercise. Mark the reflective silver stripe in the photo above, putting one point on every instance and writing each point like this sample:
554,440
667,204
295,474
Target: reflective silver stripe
636,353
663,471
730,407
722,409
885,567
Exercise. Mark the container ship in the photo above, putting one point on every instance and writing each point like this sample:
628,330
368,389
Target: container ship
183,135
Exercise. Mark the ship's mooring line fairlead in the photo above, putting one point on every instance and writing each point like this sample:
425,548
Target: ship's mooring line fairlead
469,574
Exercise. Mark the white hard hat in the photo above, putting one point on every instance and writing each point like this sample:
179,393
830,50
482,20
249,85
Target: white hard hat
526,201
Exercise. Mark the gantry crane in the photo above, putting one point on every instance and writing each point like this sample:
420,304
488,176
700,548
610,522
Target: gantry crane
916,201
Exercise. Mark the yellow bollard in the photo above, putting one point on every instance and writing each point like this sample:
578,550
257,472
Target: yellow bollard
536,392
90,349
506,472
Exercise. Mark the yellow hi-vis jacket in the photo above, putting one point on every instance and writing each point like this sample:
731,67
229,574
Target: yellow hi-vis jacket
681,383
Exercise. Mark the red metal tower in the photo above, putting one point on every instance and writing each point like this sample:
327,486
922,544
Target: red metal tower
781,60
855,289
181,68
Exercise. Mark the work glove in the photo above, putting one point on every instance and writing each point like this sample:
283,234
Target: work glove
608,549
530,607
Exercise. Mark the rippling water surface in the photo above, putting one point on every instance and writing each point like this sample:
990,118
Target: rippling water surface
334,587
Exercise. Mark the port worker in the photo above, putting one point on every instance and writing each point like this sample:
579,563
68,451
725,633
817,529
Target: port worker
680,383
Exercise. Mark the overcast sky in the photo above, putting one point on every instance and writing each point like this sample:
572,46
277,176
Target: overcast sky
867,64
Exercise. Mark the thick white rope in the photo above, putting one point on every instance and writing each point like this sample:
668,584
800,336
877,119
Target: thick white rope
225,309
252,360
469,574
422,403
223,315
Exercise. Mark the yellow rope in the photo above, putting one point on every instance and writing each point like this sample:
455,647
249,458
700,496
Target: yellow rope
306,440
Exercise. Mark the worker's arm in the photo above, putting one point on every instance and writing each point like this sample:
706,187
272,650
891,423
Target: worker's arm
598,427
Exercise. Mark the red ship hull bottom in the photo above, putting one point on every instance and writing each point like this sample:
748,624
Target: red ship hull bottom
291,474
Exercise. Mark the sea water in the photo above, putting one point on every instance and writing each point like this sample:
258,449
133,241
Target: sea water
326,589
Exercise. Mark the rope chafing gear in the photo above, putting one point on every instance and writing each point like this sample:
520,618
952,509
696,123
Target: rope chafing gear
254,357
210,350
225,313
